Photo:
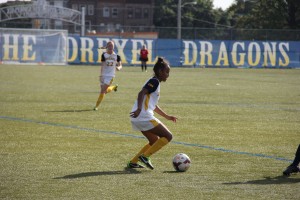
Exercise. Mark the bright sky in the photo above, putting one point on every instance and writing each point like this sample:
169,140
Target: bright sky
3,1
224,4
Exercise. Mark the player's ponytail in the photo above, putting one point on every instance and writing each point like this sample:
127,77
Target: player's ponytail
160,65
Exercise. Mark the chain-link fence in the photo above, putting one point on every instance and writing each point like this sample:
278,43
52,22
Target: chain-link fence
187,33
193,33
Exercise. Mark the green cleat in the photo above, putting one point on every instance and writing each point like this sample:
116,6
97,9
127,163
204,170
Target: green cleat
146,161
134,165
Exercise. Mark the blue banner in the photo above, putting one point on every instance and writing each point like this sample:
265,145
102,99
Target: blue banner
193,53
27,47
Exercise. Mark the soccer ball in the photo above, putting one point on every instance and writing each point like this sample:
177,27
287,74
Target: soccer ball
181,162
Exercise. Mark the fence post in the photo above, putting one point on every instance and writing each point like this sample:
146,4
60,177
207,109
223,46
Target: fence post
82,21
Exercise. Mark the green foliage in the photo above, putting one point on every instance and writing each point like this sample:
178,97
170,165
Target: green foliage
53,146
201,21
166,13
19,23
265,14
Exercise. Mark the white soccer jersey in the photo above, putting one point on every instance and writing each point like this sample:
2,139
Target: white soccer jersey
110,63
149,102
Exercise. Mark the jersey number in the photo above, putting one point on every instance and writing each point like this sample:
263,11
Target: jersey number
110,64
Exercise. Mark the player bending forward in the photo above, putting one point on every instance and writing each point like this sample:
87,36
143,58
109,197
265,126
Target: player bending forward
142,116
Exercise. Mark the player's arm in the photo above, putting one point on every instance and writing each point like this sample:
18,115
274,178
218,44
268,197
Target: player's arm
119,66
119,63
140,99
103,60
159,111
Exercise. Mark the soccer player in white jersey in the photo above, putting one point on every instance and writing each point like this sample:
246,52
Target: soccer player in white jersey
110,62
142,116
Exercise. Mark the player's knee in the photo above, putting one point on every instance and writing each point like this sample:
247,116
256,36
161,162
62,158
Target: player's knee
169,137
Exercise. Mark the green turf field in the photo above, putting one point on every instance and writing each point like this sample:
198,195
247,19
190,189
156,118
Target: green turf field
240,128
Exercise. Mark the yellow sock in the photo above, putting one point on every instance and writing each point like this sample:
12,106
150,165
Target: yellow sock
110,88
100,98
156,146
135,159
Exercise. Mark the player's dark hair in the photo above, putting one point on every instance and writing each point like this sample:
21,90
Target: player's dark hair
160,65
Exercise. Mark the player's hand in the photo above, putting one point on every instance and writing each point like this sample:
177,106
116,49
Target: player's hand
135,114
118,66
172,118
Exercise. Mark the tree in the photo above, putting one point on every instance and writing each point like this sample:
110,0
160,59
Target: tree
265,14
249,19
201,15
293,7
19,23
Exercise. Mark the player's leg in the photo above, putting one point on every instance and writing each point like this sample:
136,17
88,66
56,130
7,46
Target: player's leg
297,157
101,95
133,163
111,87
152,138
165,136
293,168
142,64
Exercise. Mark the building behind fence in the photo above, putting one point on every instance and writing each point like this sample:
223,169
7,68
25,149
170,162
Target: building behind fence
134,19
188,33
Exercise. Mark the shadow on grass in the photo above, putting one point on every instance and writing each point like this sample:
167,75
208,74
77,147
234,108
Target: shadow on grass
103,173
173,172
86,110
269,181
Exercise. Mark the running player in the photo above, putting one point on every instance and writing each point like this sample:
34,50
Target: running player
110,62
142,116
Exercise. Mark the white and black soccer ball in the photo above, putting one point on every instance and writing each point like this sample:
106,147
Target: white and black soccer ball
181,162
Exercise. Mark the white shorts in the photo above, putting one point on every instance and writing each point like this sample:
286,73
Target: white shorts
145,125
106,80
